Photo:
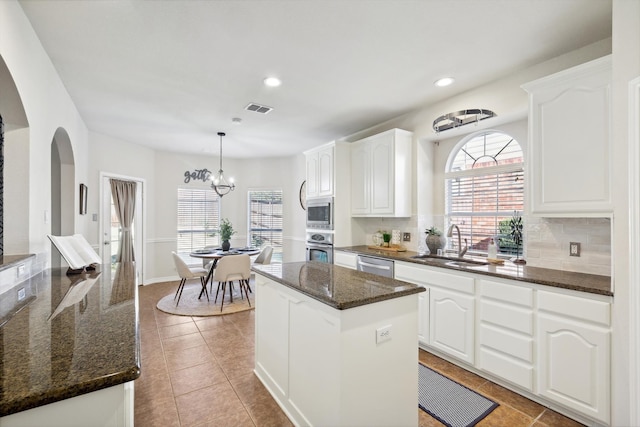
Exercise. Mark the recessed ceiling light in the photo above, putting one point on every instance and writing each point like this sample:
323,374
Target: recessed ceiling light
272,82
236,120
445,81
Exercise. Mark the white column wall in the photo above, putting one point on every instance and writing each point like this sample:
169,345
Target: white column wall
624,359
48,106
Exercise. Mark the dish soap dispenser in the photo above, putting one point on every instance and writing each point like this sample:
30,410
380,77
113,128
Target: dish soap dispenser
492,252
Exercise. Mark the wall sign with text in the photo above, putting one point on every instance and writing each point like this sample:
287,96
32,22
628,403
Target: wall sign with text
197,175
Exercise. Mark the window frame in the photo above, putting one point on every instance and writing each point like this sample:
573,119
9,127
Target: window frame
214,239
277,248
491,171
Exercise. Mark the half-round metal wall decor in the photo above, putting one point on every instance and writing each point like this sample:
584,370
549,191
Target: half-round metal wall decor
461,118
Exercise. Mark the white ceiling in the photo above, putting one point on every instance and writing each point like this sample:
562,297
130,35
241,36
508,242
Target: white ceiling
171,74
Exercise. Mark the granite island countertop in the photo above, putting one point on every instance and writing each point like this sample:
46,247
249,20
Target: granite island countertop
583,282
338,287
76,334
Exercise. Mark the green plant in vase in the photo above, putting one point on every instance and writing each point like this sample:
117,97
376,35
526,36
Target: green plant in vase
515,231
226,231
386,238
435,240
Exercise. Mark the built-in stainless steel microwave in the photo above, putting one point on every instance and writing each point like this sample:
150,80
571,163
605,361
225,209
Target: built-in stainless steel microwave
320,213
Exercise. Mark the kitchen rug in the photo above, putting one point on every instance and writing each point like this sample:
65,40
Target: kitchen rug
449,402
190,305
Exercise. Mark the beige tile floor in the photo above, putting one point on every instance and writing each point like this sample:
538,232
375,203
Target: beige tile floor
198,371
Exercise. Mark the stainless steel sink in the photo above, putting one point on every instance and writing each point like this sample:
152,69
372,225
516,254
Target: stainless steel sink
467,263
452,261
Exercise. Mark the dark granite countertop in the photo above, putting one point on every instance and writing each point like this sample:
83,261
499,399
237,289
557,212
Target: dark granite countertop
583,282
76,334
338,287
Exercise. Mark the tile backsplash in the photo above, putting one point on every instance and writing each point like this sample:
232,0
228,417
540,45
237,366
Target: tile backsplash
547,244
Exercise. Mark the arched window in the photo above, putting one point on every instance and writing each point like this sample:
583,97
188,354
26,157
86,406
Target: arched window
484,187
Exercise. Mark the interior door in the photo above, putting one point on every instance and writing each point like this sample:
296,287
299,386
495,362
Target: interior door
111,228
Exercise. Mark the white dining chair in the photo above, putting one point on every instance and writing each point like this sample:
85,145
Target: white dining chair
264,258
185,272
230,268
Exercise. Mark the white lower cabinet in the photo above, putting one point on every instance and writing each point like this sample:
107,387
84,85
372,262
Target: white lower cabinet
325,367
449,313
451,323
574,347
505,332
551,344
423,317
345,259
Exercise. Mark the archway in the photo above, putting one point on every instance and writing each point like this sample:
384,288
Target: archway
14,206
62,189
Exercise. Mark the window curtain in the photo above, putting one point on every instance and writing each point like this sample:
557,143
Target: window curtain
124,200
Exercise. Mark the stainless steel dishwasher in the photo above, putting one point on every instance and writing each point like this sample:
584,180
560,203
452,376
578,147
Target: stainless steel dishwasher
379,266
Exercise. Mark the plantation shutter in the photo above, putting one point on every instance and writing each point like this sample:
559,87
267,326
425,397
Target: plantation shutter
198,219
265,218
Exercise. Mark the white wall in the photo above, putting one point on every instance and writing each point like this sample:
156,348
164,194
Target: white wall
47,106
111,156
626,67
16,185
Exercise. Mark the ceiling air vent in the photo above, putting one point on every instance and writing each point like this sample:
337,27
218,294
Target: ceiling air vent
262,109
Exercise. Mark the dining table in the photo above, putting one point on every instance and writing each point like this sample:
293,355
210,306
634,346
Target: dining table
216,253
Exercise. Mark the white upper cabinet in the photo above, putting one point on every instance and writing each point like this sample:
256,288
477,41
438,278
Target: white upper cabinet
569,145
320,177
381,175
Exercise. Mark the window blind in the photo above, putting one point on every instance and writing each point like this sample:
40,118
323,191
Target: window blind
482,203
198,219
265,218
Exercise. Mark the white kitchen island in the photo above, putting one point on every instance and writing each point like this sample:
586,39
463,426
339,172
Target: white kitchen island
337,347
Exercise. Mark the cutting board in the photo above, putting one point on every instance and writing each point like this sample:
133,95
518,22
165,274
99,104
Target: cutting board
391,248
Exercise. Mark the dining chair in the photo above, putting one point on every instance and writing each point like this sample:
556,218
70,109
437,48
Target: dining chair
230,268
264,258
185,272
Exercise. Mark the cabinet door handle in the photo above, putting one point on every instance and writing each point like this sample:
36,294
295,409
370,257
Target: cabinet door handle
380,267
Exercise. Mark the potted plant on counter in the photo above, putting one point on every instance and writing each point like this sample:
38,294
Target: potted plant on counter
226,231
435,240
515,230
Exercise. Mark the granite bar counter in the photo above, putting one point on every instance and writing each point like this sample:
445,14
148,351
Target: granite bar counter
582,282
340,288
68,336
337,347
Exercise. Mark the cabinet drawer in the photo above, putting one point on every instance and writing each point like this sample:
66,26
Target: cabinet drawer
507,368
513,294
428,276
506,342
514,318
580,308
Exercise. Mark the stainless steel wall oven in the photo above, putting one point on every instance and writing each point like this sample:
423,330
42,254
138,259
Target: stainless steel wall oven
320,247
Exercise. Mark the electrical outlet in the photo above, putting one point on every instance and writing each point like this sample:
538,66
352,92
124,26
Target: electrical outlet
21,294
406,237
574,249
383,334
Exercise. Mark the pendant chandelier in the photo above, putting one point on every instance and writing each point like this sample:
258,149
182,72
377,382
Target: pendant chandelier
220,183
